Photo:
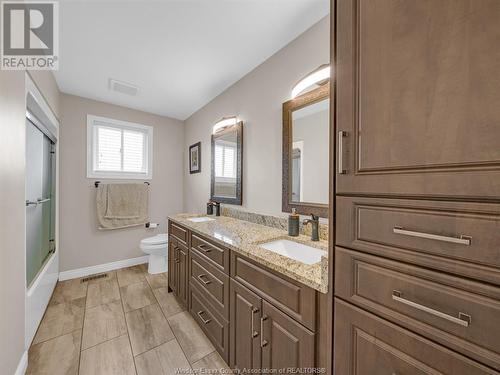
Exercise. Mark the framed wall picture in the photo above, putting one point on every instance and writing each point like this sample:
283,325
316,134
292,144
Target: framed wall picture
195,158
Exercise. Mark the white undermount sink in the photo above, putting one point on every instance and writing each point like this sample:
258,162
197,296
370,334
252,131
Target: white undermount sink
295,250
200,219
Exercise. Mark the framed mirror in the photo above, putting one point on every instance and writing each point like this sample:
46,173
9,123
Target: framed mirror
227,165
306,148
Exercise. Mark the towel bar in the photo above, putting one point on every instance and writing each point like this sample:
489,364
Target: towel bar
96,184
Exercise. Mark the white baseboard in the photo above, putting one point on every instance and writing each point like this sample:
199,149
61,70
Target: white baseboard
100,268
23,364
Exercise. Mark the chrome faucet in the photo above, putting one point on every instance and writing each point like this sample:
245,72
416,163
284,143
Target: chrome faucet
314,220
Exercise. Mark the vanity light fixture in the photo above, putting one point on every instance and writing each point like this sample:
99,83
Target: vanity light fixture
316,77
224,123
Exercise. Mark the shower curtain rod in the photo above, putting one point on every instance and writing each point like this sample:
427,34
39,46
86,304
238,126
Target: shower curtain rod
96,184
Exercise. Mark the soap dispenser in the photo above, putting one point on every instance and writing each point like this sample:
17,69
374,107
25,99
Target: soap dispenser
293,223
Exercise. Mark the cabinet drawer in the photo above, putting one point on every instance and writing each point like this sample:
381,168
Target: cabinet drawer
458,313
295,299
179,232
365,344
216,328
211,281
217,254
455,237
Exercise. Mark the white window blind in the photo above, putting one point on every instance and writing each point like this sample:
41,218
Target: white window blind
225,161
118,149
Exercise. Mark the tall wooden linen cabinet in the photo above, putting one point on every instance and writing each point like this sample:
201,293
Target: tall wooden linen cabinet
417,186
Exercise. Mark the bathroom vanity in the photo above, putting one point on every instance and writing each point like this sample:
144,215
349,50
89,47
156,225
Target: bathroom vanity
259,308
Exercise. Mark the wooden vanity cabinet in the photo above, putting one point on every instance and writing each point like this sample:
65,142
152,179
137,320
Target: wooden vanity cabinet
273,318
215,326
178,269
255,317
263,337
246,313
285,343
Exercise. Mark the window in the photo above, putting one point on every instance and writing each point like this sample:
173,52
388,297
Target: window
118,149
225,161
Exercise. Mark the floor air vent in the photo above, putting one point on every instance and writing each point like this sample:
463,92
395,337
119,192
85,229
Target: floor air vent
94,277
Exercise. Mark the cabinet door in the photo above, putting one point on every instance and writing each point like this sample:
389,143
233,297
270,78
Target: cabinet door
182,274
417,97
172,265
366,344
246,309
285,343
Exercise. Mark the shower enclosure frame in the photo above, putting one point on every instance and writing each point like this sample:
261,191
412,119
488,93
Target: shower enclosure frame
39,291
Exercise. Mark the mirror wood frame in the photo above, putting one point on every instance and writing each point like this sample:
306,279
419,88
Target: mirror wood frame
301,101
238,127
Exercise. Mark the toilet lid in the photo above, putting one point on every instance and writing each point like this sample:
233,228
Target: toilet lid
156,240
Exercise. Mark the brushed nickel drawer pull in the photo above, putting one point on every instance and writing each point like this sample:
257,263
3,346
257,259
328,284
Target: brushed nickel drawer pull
463,319
204,248
255,310
200,277
262,341
342,135
462,240
200,314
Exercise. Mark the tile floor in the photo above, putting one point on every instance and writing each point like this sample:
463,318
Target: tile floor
124,324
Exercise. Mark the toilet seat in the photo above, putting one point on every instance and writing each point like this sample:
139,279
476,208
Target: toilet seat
159,239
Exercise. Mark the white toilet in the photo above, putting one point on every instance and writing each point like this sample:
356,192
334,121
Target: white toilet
156,247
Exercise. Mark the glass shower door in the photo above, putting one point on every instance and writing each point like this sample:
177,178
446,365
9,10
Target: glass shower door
40,204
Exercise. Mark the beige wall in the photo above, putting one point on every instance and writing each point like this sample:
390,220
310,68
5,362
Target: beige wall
12,209
81,243
257,99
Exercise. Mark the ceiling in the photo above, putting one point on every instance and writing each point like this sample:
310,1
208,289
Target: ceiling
181,54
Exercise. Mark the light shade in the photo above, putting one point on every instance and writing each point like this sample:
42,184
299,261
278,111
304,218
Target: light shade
224,123
320,74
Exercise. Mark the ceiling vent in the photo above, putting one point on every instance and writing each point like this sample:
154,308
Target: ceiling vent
122,87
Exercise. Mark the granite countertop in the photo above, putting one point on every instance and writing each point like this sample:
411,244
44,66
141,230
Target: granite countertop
244,238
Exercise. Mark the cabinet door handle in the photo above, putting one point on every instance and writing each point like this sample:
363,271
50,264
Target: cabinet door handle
40,200
462,240
342,135
463,319
262,341
255,333
200,314
204,248
200,277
